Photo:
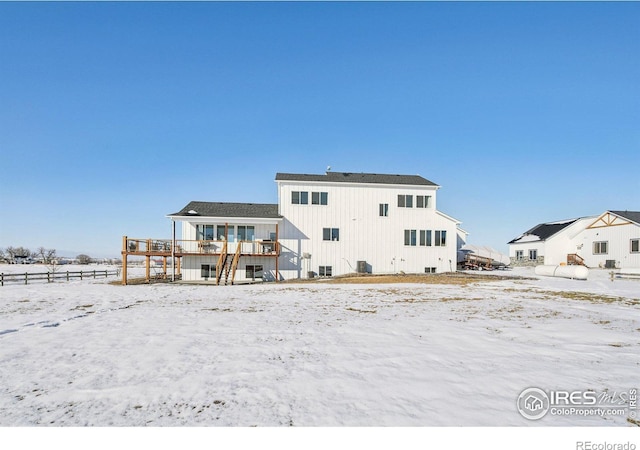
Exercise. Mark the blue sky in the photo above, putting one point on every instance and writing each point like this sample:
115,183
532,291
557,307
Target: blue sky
113,115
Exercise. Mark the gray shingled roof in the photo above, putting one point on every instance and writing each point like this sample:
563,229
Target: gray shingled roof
347,177
216,209
633,216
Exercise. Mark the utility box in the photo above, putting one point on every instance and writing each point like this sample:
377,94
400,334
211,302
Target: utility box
362,267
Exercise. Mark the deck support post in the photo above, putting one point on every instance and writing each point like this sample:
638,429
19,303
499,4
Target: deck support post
277,249
124,261
173,251
148,261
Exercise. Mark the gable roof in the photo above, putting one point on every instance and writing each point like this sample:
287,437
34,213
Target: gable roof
366,178
217,209
543,231
633,216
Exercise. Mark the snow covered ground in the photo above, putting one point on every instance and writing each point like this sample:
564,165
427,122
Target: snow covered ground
88,353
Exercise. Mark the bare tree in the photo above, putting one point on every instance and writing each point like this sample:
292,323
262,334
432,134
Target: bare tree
83,259
17,252
47,255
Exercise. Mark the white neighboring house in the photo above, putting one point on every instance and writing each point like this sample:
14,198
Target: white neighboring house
610,240
323,225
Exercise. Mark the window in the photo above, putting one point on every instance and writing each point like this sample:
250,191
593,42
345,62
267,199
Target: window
246,233
384,209
429,270
220,235
519,254
533,254
299,198
208,271
425,238
410,237
325,271
230,233
204,232
330,234
600,248
254,272
405,201
423,201
319,198
440,238
635,245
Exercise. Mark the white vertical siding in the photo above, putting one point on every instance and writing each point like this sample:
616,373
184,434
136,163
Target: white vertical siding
364,234
618,240
578,239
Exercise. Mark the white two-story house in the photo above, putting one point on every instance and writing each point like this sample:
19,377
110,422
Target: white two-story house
323,225
340,223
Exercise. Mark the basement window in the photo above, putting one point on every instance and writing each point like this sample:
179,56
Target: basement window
325,271
208,271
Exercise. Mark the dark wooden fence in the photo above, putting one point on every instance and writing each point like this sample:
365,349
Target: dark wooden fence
50,277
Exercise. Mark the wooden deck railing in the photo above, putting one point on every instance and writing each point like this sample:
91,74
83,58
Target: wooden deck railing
163,247
168,249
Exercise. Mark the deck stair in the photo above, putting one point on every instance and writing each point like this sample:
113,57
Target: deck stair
574,259
222,262
234,263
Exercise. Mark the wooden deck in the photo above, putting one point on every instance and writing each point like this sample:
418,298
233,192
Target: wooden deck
228,254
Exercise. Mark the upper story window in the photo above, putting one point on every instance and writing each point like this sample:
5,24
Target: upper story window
330,234
405,201
246,232
423,201
220,235
635,245
204,232
299,198
440,238
319,198
600,248
384,209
